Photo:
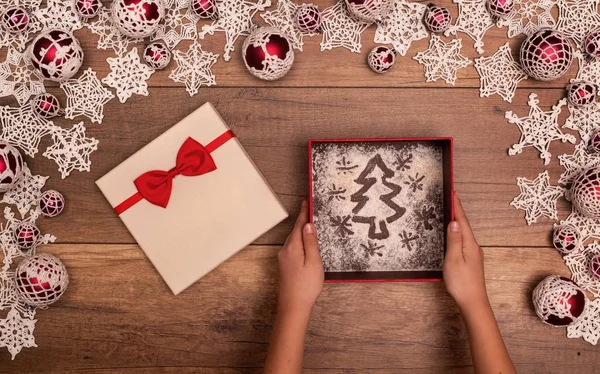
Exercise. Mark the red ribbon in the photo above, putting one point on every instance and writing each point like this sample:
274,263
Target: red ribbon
193,159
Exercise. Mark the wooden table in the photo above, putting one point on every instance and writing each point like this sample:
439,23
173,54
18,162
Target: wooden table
118,315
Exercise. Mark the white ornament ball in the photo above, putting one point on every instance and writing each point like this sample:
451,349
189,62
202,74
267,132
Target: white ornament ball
137,18
566,238
267,53
27,235
308,18
11,166
585,193
157,55
45,105
546,55
559,301
381,59
369,10
15,20
51,203
56,55
87,8
580,94
437,18
41,280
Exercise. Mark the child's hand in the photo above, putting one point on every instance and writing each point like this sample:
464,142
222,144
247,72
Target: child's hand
463,266
300,267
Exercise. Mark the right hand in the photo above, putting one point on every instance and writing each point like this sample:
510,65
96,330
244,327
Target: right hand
463,266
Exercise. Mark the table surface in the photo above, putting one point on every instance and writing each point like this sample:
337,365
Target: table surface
119,315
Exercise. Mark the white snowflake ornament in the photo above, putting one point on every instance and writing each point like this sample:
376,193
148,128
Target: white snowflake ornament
589,69
284,18
19,78
529,16
128,75
26,193
109,36
402,26
474,19
23,128
179,24
16,332
537,197
442,60
71,149
588,326
589,228
577,162
193,68
577,18
59,14
579,265
585,120
499,74
86,96
340,29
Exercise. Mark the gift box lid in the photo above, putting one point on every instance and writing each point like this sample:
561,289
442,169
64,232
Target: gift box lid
208,217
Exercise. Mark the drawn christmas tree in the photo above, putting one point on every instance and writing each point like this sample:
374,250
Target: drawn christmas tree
378,216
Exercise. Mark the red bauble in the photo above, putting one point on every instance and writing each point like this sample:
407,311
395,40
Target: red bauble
581,93
11,166
204,8
46,105
585,193
56,55
137,18
41,280
27,235
566,238
437,18
15,20
592,44
157,55
308,18
500,8
558,301
595,141
51,203
369,10
546,55
87,8
268,53
381,59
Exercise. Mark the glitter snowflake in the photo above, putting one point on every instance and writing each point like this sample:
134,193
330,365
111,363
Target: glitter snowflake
529,16
18,78
284,19
109,36
538,129
342,225
179,24
340,29
579,264
128,75
585,120
26,193
499,74
588,227
193,68
588,327
402,26
21,127
578,18
71,149
59,14
86,96
235,19
589,69
442,60
537,197
473,20
19,40
16,332
577,162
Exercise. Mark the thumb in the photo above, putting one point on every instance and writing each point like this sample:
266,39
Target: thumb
454,242
311,245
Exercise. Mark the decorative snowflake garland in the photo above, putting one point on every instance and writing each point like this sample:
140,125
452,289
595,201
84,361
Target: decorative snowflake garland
18,78
537,197
71,149
22,128
521,21
499,74
177,26
442,60
588,326
128,75
86,96
193,68
578,18
284,19
340,29
402,26
474,19
26,193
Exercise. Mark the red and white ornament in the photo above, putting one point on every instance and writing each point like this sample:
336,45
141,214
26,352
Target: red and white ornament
595,266
559,301
581,93
437,18
595,141
51,203
308,18
381,59
204,8
41,280
268,53
566,239
500,8
87,8
585,193
157,55
369,10
46,105
592,44
15,20
27,235
546,55
56,54
137,18
11,166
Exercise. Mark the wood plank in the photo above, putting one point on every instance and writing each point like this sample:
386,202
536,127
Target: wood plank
118,314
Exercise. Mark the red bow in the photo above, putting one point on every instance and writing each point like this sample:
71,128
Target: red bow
192,159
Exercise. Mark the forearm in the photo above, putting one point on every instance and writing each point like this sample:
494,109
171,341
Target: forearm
287,343
488,351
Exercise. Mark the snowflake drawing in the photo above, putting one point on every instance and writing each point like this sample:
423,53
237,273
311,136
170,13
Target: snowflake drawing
499,74
16,332
537,197
235,19
577,162
21,127
340,29
19,78
585,120
194,68
336,193
408,239
578,18
26,193
343,226
86,96
441,60
71,149
178,24
19,40
579,265
403,161
345,166
415,183
109,36
588,327
128,75
425,217
589,228
59,14
372,249
529,16
538,129
283,18
402,26
473,20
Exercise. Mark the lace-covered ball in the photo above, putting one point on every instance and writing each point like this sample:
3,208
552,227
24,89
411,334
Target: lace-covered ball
41,280
204,8
595,141
437,18
558,301
308,18
592,44
157,55
27,235
56,54
15,20
381,59
501,8
46,105
567,239
87,8
137,18
11,166
369,10
51,203
267,53
595,266
585,193
581,93
546,55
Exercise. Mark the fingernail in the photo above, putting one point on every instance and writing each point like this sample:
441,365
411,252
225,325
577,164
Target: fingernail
454,227
309,229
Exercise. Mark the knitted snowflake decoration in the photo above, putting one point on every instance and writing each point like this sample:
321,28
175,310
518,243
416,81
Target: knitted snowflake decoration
402,26
340,29
235,19
499,74
59,14
21,127
128,75
442,60
578,18
537,197
71,149
16,332
18,78
529,16
588,326
577,162
473,20
284,19
585,120
19,40
538,129
86,96
588,227
579,264
589,69
26,193
179,24
109,36
193,68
